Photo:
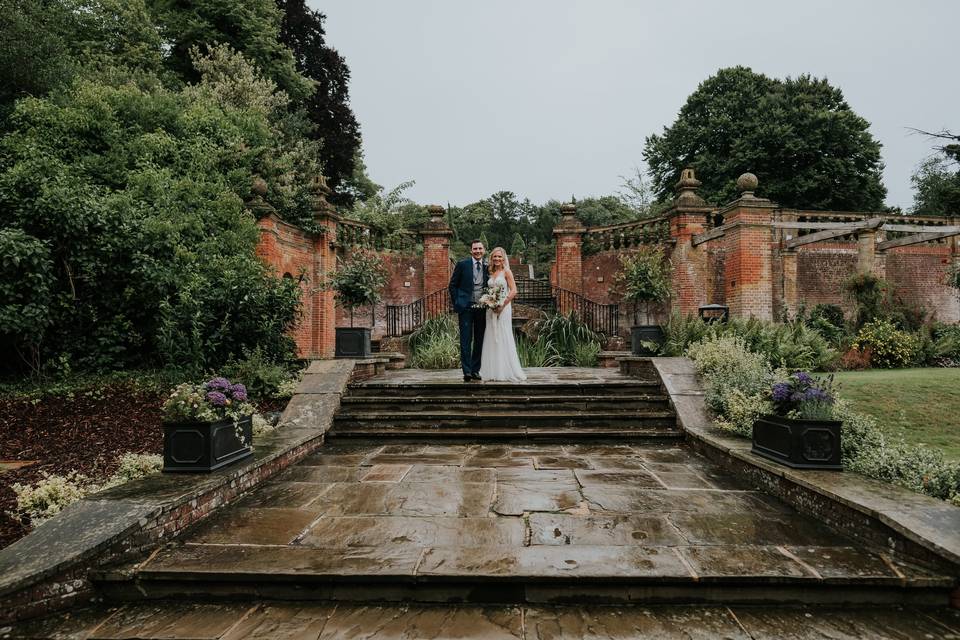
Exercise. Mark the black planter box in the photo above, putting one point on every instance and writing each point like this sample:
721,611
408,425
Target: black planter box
801,444
205,446
645,333
353,342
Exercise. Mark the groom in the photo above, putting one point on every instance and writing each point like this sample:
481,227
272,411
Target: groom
466,286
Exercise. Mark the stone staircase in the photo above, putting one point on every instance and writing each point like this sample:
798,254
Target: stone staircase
611,406
573,488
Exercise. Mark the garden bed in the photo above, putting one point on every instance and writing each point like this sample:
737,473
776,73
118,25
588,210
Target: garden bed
82,431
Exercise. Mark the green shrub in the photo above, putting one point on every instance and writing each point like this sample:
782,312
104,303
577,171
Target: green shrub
791,345
436,344
737,390
738,381
890,347
533,353
564,336
262,377
585,354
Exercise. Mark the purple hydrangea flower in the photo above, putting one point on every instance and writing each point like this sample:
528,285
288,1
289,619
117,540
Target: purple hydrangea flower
218,384
781,392
217,399
239,392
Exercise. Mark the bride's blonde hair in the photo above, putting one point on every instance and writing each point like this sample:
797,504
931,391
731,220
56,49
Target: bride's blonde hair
506,259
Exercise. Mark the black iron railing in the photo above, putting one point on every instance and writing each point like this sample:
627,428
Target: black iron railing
402,319
602,318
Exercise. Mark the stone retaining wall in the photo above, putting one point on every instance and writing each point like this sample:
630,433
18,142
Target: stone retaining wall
919,527
49,570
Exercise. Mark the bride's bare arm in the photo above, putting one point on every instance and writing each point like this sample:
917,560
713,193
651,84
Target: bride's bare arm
511,287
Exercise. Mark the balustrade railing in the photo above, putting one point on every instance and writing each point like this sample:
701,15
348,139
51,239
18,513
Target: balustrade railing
626,235
602,318
402,319
353,233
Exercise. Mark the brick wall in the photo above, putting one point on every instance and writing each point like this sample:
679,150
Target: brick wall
919,273
821,270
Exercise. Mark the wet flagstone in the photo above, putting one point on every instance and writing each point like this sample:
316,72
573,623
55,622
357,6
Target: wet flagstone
422,513
255,526
423,532
322,621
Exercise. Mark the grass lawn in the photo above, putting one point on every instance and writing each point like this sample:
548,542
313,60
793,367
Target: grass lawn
921,405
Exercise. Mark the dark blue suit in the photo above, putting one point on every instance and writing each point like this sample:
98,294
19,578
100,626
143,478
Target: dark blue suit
473,322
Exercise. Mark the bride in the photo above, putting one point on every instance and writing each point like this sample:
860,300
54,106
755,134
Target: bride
499,360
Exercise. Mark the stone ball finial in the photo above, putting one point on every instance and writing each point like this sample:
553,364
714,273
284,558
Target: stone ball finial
747,184
435,211
259,186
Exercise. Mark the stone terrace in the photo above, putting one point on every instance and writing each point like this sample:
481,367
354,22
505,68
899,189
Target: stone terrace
521,523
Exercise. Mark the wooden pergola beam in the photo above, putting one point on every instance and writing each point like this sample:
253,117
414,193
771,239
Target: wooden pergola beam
700,238
915,239
829,234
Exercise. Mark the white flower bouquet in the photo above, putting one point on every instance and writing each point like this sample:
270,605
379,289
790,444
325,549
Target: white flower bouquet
493,296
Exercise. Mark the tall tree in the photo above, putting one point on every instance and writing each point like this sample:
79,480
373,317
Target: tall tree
808,147
251,27
328,107
937,180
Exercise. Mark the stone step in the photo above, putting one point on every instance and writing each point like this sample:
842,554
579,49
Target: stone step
350,405
650,423
547,574
626,388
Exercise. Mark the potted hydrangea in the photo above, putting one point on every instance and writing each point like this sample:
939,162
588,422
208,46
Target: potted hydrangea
801,432
206,426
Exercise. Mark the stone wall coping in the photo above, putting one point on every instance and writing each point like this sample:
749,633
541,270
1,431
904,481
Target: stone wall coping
92,526
930,523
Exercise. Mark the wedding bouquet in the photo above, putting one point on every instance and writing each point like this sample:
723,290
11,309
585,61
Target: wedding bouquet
493,296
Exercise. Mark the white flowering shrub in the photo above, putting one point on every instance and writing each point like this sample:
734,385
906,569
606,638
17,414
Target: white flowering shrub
50,496
134,466
261,425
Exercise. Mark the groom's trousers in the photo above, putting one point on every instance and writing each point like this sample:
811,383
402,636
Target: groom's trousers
473,322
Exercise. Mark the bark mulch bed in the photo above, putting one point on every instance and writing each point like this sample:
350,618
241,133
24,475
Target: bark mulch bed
86,433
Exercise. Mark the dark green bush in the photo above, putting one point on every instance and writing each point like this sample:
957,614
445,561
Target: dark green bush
134,196
792,345
260,373
566,337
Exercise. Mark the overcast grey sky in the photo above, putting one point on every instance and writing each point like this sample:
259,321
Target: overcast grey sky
550,98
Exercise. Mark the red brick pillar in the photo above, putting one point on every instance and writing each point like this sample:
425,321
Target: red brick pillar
748,271
569,262
688,217
436,236
323,311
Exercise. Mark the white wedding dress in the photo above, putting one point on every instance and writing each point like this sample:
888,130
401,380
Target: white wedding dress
499,359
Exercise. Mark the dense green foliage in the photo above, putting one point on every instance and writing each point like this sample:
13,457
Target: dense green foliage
436,344
738,381
131,133
568,341
798,135
937,180
792,345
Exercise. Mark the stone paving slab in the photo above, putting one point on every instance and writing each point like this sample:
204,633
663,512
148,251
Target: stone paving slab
323,621
536,376
424,512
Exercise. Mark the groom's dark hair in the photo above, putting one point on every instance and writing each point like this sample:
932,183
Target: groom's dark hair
477,241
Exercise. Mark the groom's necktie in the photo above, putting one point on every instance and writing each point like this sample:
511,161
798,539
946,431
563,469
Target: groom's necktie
476,266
